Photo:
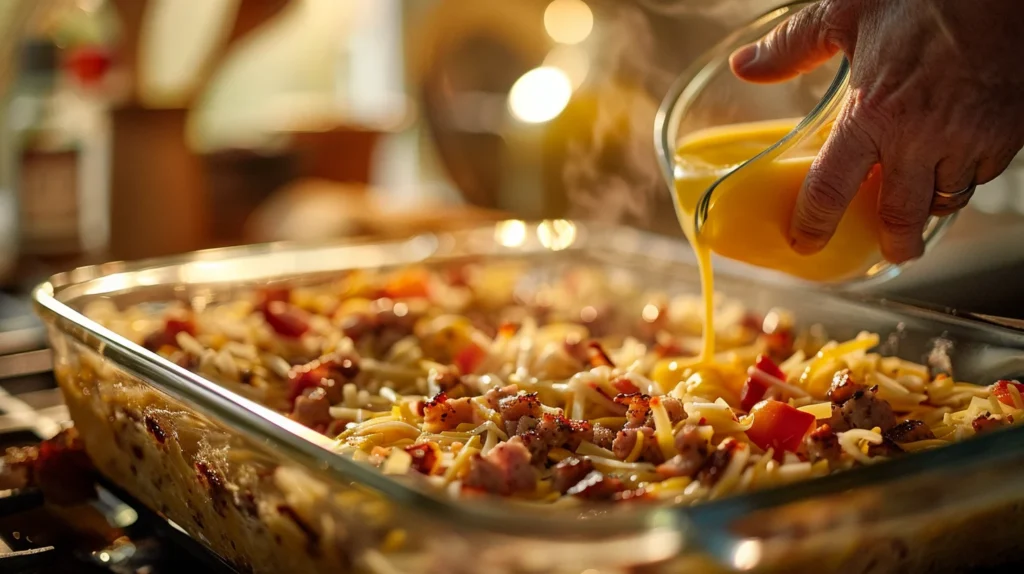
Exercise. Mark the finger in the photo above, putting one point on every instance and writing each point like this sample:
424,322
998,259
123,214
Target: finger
904,203
991,166
832,182
954,185
797,45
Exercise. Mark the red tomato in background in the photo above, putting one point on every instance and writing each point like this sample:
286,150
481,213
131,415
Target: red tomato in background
88,64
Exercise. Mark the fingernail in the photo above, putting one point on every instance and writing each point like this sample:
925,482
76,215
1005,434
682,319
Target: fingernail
804,244
744,57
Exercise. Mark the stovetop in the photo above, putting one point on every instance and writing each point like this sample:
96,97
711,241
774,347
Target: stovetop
111,534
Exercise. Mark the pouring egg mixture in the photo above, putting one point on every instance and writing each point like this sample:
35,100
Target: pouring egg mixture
478,379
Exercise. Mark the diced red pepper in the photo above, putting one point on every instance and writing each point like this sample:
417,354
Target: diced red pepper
625,386
88,64
754,389
286,320
1001,389
753,392
779,426
168,336
768,366
469,358
267,295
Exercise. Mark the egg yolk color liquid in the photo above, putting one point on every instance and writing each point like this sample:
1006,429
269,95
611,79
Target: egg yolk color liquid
750,212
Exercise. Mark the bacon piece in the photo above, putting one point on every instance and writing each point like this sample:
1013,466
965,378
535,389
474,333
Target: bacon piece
426,457
444,414
638,409
515,407
863,410
313,410
985,422
569,472
625,441
597,356
719,460
823,444
909,431
330,372
843,387
168,335
286,319
505,470
596,486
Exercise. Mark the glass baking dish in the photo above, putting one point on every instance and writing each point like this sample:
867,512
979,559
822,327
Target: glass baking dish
269,495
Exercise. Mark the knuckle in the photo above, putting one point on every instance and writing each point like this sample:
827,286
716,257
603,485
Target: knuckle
836,23
899,220
823,202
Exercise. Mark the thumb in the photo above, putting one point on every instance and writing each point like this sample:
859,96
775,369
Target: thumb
795,46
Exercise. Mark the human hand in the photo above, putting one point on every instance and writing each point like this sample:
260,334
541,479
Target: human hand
937,100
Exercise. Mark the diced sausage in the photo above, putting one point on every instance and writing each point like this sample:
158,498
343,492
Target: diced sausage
985,422
603,436
520,405
505,470
638,409
569,473
909,431
823,444
718,462
863,410
625,441
843,387
596,486
693,453
313,410
494,396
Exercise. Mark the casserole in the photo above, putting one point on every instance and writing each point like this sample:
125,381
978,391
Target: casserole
270,495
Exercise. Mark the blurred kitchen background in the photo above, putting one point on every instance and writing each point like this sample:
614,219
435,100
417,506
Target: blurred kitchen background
139,128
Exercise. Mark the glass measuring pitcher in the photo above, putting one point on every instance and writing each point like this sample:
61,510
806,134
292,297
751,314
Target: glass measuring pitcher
735,155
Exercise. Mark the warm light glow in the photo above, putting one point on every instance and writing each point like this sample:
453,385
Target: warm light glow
540,95
572,60
568,21
747,555
557,235
510,233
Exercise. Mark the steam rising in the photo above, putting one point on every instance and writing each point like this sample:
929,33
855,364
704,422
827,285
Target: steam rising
611,173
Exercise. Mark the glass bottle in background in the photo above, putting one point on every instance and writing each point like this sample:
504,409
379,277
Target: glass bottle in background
61,139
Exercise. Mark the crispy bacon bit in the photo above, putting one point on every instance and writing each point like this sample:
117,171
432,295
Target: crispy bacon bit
863,410
909,431
330,372
638,408
426,457
447,379
513,408
625,441
313,410
719,460
154,428
985,422
286,319
505,470
638,411
558,430
597,357
444,414
693,453
603,436
168,336
823,444
843,387
569,473
596,486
